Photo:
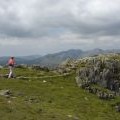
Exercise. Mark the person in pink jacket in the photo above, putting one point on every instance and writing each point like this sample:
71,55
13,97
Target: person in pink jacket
11,63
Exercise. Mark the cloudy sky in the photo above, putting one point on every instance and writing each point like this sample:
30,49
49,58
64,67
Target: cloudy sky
48,26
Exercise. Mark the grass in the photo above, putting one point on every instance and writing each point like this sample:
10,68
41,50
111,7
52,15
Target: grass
57,98
28,72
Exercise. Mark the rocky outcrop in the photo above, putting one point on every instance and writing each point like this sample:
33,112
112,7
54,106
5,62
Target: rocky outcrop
103,71
67,66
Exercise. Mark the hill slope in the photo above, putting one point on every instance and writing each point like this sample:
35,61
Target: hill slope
51,99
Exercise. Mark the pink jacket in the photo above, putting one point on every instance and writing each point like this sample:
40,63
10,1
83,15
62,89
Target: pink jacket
11,62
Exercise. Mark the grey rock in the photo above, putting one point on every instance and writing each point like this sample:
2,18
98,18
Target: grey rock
6,93
117,107
104,72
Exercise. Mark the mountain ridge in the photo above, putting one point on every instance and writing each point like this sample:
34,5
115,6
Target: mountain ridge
53,60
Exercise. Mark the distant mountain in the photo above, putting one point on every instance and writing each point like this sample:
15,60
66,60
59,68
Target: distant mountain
19,59
53,60
57,58
4,60
113,51
94,52
30,57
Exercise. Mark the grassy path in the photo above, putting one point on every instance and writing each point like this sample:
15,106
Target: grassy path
54,76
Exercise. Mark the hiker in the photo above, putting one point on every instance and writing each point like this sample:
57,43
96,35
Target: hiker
11,63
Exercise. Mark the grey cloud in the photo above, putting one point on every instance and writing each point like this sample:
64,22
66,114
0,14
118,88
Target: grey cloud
41,18
59,22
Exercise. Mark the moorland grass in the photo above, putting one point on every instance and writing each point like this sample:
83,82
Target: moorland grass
56,98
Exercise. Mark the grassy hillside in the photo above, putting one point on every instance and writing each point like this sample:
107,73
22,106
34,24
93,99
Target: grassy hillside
56,98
